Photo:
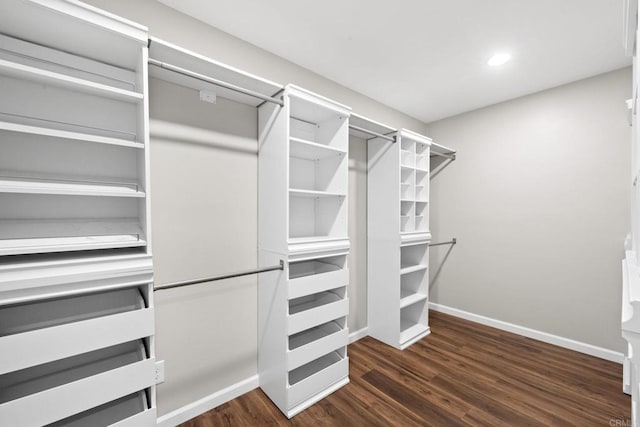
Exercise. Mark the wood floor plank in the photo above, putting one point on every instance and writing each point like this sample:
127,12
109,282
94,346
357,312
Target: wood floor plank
462,374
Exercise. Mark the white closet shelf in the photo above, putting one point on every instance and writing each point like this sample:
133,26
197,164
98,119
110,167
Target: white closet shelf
421,170
57,244
62,134
14,183
407,200
296,192
309,150
411,299
412,269
409,330
25,72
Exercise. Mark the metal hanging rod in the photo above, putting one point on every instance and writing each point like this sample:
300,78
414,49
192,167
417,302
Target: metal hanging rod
216,82
447,155
451,242
214,278
376,134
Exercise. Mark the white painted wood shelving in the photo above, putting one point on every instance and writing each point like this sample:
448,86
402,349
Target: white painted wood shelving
303,182
630,318
76,324
398,236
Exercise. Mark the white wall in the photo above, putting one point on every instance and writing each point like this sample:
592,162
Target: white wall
204,207
538,198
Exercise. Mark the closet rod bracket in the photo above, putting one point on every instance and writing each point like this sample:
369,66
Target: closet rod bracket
451,242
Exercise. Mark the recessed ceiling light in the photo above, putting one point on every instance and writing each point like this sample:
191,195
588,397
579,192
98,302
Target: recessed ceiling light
498,59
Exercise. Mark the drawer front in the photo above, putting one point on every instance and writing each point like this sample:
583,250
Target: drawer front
147,418
69,399
318,382
23,350
316,316
317,348
312,284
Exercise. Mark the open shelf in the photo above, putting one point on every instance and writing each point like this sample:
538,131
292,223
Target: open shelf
411,269
313,193
27,236
407,299
67,135
308,150
26,72
18,183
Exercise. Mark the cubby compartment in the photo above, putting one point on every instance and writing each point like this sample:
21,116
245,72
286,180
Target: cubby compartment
94,378
422,186
315,309
413,256
317,275
312,343
407,184
325,174
422,156
413,287
413,320
407,153
406,216
316,215
36,223
313,122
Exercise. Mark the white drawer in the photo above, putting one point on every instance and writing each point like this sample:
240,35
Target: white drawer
316,310
40,332
129,411
312,343
317,282
317,377
67,387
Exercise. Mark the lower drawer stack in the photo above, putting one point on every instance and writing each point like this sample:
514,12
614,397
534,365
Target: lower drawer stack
306,359
76,343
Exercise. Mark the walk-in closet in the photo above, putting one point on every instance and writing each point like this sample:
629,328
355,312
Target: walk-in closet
275,213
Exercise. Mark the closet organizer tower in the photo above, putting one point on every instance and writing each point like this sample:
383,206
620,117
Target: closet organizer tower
303,181
398,238
76,296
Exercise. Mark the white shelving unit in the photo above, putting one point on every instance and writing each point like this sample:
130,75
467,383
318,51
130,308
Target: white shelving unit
398,236
73,126
303,181
76,324
630,318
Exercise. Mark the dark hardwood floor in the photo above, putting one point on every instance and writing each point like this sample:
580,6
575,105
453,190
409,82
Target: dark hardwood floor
462,374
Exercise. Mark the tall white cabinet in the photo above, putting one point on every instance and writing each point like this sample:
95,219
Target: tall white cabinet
303,181
398,238
76,294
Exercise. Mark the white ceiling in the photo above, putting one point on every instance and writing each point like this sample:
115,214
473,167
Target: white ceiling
427,58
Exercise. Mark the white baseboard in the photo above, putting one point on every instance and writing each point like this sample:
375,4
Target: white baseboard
207,403
581,347
356,335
